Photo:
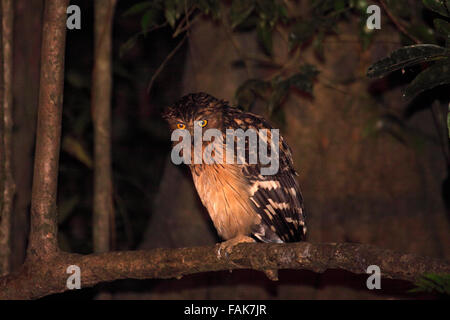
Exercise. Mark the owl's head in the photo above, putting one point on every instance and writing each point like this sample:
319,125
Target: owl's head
199,109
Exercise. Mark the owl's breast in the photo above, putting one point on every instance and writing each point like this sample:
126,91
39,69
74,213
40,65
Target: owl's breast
225,194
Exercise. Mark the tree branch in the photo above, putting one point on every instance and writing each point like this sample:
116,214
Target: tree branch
46,277
43,226
103,216
163,64
397,23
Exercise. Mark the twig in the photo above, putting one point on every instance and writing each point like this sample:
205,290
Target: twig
286,66
397,23
163,64
229,33
180,28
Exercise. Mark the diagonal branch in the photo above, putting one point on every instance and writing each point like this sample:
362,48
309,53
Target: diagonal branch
46,277
163,64
397,23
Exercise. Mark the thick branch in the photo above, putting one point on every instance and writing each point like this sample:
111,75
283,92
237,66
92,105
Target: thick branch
47,277
43,228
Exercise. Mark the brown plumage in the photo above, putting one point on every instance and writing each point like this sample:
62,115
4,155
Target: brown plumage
242,203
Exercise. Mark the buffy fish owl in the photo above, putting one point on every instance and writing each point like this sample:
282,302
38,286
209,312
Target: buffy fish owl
244,205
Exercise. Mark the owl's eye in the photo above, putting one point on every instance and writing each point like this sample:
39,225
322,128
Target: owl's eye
203,123
181,126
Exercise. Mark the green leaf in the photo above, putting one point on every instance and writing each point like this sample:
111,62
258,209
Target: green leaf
240,10
436,75
247,92
318,44
301,32
125,47
282,11
442,26
149,19
171,16
173,11
138,8
423,32
265,36
440,6
305,78
433,282
340,5
280,89
209,7
268,11
406,56
365,35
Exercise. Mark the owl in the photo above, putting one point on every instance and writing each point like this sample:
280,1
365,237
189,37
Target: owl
244,205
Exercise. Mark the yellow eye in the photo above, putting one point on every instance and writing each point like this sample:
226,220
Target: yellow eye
203,123
181,126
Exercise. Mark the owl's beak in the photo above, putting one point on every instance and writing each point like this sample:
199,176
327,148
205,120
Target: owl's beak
191,132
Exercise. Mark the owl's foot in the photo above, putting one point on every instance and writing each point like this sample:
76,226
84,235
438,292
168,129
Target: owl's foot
226,247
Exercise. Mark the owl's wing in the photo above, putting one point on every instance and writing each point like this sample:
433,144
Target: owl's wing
278,201
276,198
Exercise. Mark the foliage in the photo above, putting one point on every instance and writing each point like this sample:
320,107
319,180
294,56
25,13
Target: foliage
431,282
437,74
265,17
434,59
274,91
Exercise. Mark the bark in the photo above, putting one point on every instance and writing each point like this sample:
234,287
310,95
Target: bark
4,221
43,222
27,52
46,277
101,112
6,97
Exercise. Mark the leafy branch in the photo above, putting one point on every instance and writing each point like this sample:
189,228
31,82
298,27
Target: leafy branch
434,59
431,282
264,17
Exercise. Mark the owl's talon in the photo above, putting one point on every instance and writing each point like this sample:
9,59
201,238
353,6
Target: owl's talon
219,252
226,247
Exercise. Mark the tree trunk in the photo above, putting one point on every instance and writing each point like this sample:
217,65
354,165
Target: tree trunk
6,103
27,52
101,111
4,220
43,223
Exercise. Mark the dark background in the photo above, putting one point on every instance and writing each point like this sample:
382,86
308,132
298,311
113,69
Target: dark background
372,168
